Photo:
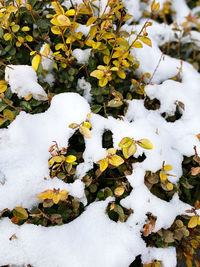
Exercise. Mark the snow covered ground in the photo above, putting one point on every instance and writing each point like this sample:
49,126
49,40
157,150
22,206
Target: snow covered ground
93,240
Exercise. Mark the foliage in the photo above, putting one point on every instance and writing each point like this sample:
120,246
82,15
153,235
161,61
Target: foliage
111,70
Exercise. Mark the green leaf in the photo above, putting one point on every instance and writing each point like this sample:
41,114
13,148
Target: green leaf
20,212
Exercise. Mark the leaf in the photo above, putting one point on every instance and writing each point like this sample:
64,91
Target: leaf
63,195
167,167
91,21
116,160
193,221
96,108
97,74
56,198
70,12
119,191
36,61
73,125
121,74
115,103
8,114
46,50
145,143
120,212
145,40
25,29
111,151
3,88
137,44
20,212
85,131
163,176
148,228
87,124
51,162
70,159
63,20
103,164
125,142
103,82
28,97
154,6
7,36
58,159
195,171
129,151
117,54
46,194
169,186
93,31
15,28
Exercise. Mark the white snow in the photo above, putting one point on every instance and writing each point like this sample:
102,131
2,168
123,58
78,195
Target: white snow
23,81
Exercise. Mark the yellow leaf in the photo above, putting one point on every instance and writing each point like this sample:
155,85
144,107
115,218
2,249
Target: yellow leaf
70,12
121,74
46,194
28,7
7,36
70,159
25,29
28,97
169,186
167,167
15,28
193,221
125,142
145,143
56,30
129,151
59,46
137,44
73,125
8,114
56,198
163,176
111,151
117,54
154,6
51,162
36,61
103,164
29,38
87,124
20,39
46,50
116,160
63,20
12,9
3,88
97,74
146,40
189,263
85,131
63,195
106,59
1,121
93,31
91,21
58,159
103,82
119,191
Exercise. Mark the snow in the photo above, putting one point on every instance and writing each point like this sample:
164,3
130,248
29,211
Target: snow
23,81
93,239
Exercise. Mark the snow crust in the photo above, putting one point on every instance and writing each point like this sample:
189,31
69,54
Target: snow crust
23,81
93,239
